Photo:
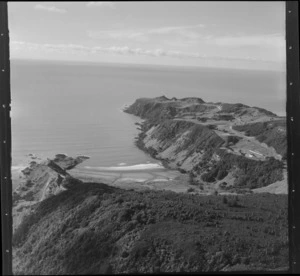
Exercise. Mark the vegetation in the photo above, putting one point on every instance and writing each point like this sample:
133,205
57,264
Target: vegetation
272,133
154,111
190,138
241,109
232,108
231,139
248,173
225,117
196,108
92,228
97,229
202,119
199,136
212,126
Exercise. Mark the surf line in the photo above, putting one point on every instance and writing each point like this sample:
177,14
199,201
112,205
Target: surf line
139,167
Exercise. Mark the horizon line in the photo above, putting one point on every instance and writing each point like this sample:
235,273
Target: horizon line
144,64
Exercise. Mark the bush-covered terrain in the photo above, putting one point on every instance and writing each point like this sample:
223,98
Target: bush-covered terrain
242,109
272,133
97,229
226,117
181,136
249,173
199,136
65,226
232,108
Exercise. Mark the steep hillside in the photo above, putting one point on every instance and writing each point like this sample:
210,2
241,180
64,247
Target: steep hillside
92,228
181,143
232,153
272,133
41,180
225,146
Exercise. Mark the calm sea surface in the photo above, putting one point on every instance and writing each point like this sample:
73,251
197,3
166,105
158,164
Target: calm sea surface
76,108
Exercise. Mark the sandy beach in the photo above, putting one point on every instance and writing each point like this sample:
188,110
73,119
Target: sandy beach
135,177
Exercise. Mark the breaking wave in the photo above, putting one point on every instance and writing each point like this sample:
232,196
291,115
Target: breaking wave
139,167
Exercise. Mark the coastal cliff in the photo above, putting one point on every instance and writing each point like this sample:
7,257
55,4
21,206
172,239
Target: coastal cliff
226,147
67,226
41,180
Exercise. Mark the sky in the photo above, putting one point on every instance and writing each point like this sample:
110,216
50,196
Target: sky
239,34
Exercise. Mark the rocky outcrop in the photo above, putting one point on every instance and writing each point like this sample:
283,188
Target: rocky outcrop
68,163
41,180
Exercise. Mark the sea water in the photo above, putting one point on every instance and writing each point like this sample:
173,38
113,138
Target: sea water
76,108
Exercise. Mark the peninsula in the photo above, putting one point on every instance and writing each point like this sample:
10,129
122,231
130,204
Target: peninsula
233,216
221,146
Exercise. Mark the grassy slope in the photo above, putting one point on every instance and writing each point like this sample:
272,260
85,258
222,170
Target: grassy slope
271,133
248,172
94,228
251,173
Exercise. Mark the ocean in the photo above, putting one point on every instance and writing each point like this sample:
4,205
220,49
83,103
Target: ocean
76,108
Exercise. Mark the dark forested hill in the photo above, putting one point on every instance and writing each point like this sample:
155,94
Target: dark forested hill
97,229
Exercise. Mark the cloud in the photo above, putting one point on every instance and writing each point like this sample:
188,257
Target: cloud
193,35
120,50
111,5
49,8
142,35
271,40
186,31
167,30
118,35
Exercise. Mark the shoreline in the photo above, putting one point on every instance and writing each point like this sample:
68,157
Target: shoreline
173,134
165,173
139,177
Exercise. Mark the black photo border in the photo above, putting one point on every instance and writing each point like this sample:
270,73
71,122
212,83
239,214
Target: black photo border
293,131
293,137
5,140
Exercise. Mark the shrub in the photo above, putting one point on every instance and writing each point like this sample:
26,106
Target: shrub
233,202
268,133
155,226
250,174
